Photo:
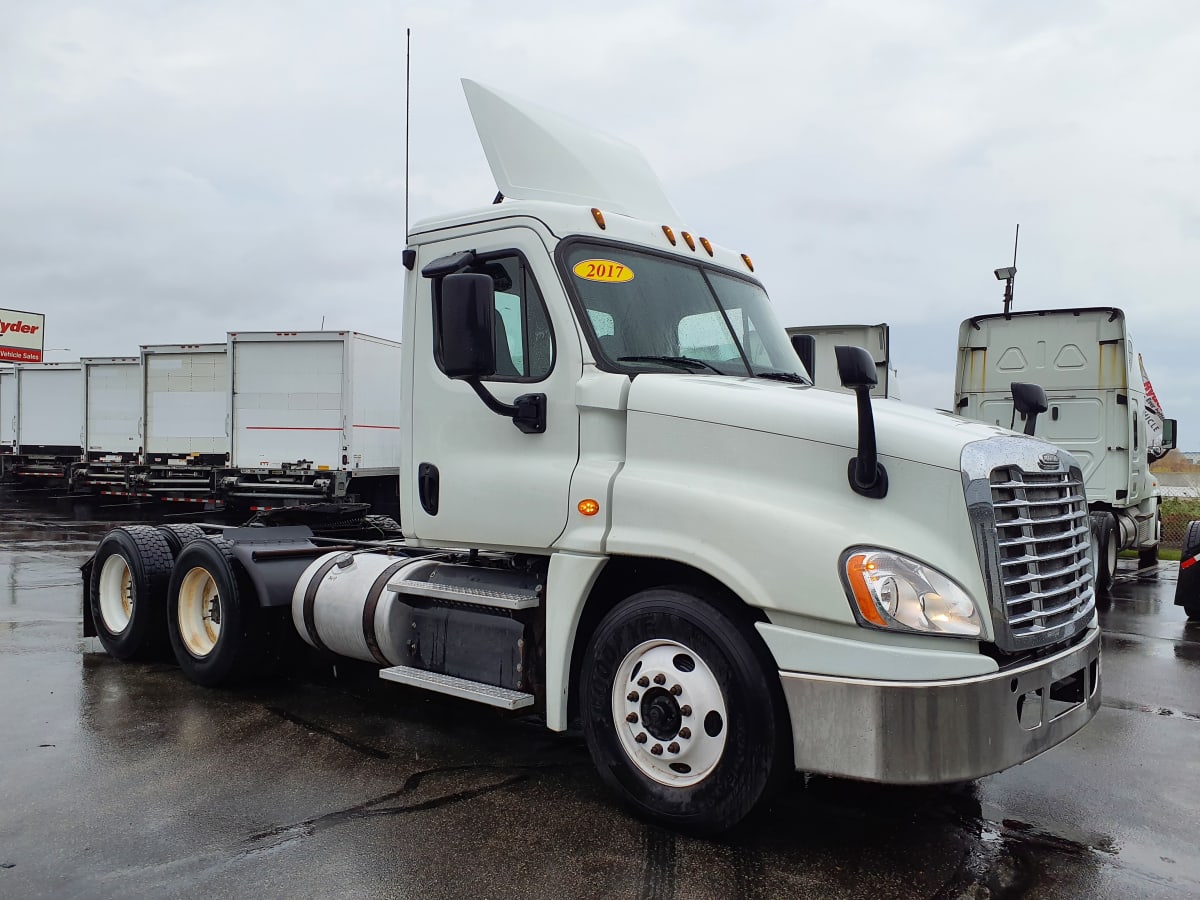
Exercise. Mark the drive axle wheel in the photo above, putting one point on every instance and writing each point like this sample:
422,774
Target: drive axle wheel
683,711
1104,549
128,590
212,614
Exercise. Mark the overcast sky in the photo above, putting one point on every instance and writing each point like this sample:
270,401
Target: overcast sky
173,171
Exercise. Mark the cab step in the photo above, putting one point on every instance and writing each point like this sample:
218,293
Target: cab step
458,687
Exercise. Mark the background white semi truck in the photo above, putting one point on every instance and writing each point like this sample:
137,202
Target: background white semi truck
1097,409
625,505
816,345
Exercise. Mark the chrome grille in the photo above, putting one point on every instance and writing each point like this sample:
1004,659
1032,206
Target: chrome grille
1042,550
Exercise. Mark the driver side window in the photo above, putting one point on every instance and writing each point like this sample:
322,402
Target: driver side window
524,340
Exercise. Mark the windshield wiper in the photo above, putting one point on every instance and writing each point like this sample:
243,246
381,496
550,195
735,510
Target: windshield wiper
792,377
680,362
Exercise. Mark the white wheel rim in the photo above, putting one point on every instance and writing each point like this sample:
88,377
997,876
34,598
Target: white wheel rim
1112,554
116,594
1094,550
199,608
670,718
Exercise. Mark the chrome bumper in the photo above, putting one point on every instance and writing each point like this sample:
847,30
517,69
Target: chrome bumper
941,731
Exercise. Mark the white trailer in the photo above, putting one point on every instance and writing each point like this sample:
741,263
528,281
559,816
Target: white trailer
48,428
315,415
1085,361
815,344
112,423
8,410
185,414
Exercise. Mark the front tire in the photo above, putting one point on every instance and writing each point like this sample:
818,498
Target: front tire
213,617
1191,546
128,590
1104,549
683,713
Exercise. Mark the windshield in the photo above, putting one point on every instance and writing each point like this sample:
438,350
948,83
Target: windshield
653,313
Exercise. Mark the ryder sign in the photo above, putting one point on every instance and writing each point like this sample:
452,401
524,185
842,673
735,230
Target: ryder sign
21,336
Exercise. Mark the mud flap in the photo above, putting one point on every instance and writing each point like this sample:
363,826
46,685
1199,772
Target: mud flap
89,624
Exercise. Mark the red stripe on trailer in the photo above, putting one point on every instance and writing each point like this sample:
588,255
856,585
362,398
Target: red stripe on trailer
1188,563
384,427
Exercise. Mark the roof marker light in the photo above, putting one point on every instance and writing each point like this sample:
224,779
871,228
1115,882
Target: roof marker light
599,217
704,242
689,240
746,260
670,234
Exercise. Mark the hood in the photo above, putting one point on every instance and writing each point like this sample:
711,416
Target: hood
806,413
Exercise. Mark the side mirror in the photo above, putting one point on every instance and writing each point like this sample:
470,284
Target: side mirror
1168,435
464,326
805,346
1030,400
856,368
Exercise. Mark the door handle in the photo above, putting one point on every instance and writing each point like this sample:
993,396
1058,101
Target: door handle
427,487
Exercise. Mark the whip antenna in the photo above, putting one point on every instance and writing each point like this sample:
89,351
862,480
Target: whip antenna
407,105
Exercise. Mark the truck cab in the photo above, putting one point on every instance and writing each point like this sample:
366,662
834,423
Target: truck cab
1097,410
625,505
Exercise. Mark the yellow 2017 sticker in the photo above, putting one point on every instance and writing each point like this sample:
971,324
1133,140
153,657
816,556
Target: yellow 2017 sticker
603,270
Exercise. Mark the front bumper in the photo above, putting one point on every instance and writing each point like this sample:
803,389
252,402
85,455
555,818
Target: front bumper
942,731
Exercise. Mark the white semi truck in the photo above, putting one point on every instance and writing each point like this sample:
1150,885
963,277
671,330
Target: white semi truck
625,505
1097,410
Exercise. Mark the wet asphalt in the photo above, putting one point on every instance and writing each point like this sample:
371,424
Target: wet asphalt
125,780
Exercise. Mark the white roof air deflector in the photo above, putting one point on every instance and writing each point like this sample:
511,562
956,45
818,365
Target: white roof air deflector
536,154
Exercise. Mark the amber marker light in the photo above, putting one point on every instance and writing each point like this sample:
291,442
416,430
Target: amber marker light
746,260
588,507
859,570
704,242
670,234
689,240
599,217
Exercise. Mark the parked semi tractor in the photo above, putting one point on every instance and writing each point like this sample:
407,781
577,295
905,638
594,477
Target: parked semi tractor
1097,410
625,505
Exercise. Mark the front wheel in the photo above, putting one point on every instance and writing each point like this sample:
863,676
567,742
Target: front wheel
683,712
1104,548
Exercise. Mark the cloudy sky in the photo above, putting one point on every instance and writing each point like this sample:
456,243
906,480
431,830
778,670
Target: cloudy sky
173,171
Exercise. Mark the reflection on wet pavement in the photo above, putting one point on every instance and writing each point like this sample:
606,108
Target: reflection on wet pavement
127,780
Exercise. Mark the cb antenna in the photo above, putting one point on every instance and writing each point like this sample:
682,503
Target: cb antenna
407,105
1008,275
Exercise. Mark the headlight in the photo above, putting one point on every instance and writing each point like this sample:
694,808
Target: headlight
896,593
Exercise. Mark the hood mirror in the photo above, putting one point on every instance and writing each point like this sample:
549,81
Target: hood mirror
856,369
1029,400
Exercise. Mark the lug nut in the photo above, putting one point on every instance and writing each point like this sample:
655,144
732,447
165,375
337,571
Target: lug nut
641,738
660,678
644,682
685,710
676,689
672,747
633,697
685,732
656,749
632,717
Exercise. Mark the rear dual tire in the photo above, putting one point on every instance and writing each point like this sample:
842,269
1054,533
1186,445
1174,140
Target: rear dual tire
128,590
1104,548
213,618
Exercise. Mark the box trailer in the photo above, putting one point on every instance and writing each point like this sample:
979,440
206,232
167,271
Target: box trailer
48,424
315,415
815,344
185,415
8,410
112,423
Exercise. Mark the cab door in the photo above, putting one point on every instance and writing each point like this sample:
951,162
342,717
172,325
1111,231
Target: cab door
475,479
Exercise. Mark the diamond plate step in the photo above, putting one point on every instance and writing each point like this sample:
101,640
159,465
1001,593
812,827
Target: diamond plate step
464,594
458,687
